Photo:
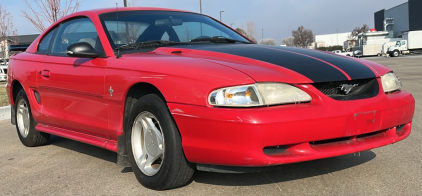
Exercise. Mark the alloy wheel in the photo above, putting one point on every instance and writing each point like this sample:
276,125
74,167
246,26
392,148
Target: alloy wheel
148,143
22,118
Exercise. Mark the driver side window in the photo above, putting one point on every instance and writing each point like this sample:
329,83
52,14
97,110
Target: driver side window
70,32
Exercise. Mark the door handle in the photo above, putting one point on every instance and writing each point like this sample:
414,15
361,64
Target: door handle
45,73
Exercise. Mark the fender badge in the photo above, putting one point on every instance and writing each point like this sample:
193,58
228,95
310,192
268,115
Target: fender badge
347,87
111,91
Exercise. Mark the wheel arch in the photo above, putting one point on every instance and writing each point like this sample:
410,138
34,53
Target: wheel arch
134,93
16,87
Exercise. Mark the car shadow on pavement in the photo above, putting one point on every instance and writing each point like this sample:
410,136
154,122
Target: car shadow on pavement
287,172
83,148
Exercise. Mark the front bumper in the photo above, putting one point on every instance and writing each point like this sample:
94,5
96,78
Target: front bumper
292,133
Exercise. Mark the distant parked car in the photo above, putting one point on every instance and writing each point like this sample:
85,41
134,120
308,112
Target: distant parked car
3,71
339,52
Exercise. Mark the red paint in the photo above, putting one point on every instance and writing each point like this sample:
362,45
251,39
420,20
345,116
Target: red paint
76,103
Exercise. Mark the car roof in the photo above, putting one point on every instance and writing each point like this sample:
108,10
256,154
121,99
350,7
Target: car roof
106,10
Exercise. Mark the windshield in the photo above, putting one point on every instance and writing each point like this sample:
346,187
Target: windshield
129,27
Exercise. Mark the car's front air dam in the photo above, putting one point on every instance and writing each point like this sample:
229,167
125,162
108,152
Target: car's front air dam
320,129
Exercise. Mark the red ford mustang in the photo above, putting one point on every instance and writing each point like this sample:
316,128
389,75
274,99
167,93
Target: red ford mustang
173,91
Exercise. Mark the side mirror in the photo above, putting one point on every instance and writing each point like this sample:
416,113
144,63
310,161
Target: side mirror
82,49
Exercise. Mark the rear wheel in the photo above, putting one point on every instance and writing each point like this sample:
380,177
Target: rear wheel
25,123
154,146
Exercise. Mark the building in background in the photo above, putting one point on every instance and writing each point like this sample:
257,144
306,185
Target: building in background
407,17
20,39
335,39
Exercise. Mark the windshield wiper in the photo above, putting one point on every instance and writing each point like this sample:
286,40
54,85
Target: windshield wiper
138,45
152,43
218,39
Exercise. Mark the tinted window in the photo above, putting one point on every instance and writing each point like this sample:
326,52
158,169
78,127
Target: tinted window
129,27
78,30
45,43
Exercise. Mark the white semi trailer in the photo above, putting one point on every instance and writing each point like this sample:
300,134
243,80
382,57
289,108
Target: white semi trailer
371,43
411,43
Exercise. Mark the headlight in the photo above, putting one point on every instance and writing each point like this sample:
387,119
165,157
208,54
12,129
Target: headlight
390,82
258,94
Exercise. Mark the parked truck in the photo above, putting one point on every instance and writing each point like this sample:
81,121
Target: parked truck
411,43
371,43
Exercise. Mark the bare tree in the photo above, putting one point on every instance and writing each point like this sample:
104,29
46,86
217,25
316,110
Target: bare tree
357,30
302,37
288,41
249,32
46,12
267,41
8,34
241,31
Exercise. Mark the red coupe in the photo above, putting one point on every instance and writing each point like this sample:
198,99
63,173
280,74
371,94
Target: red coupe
173,91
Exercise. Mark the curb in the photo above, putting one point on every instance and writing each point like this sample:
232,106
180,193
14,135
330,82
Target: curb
5,113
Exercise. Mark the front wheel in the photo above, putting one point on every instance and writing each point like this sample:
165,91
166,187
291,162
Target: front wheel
396,53
154,146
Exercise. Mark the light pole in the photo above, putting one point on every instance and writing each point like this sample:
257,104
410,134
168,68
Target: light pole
125,3
200,6
220,15
262,40
337,36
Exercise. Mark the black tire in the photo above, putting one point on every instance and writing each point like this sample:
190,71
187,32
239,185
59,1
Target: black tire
396,53
175,171
28,136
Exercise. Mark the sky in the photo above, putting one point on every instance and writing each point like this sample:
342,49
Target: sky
275,18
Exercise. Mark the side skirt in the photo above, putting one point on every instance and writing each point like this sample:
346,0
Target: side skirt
81,137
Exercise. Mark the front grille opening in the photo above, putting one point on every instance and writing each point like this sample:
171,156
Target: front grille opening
350,89
5,71
329,141
369,134
399,129
271,150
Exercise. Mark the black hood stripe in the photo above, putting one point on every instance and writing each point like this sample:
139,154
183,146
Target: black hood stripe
344,73
317,66
353,68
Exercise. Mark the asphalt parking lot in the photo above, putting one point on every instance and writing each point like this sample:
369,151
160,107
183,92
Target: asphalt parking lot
67,167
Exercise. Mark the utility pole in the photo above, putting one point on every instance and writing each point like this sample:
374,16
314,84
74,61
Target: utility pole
220,15
125,3
262,40
337,36
200,6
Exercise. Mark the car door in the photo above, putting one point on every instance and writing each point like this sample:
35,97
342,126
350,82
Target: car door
71,88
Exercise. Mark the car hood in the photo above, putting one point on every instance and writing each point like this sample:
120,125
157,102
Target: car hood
282,64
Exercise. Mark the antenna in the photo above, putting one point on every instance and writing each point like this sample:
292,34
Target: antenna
117,29
117,22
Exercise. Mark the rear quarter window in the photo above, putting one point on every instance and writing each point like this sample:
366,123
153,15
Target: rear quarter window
44,46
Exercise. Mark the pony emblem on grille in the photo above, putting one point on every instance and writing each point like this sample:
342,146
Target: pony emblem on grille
347,87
